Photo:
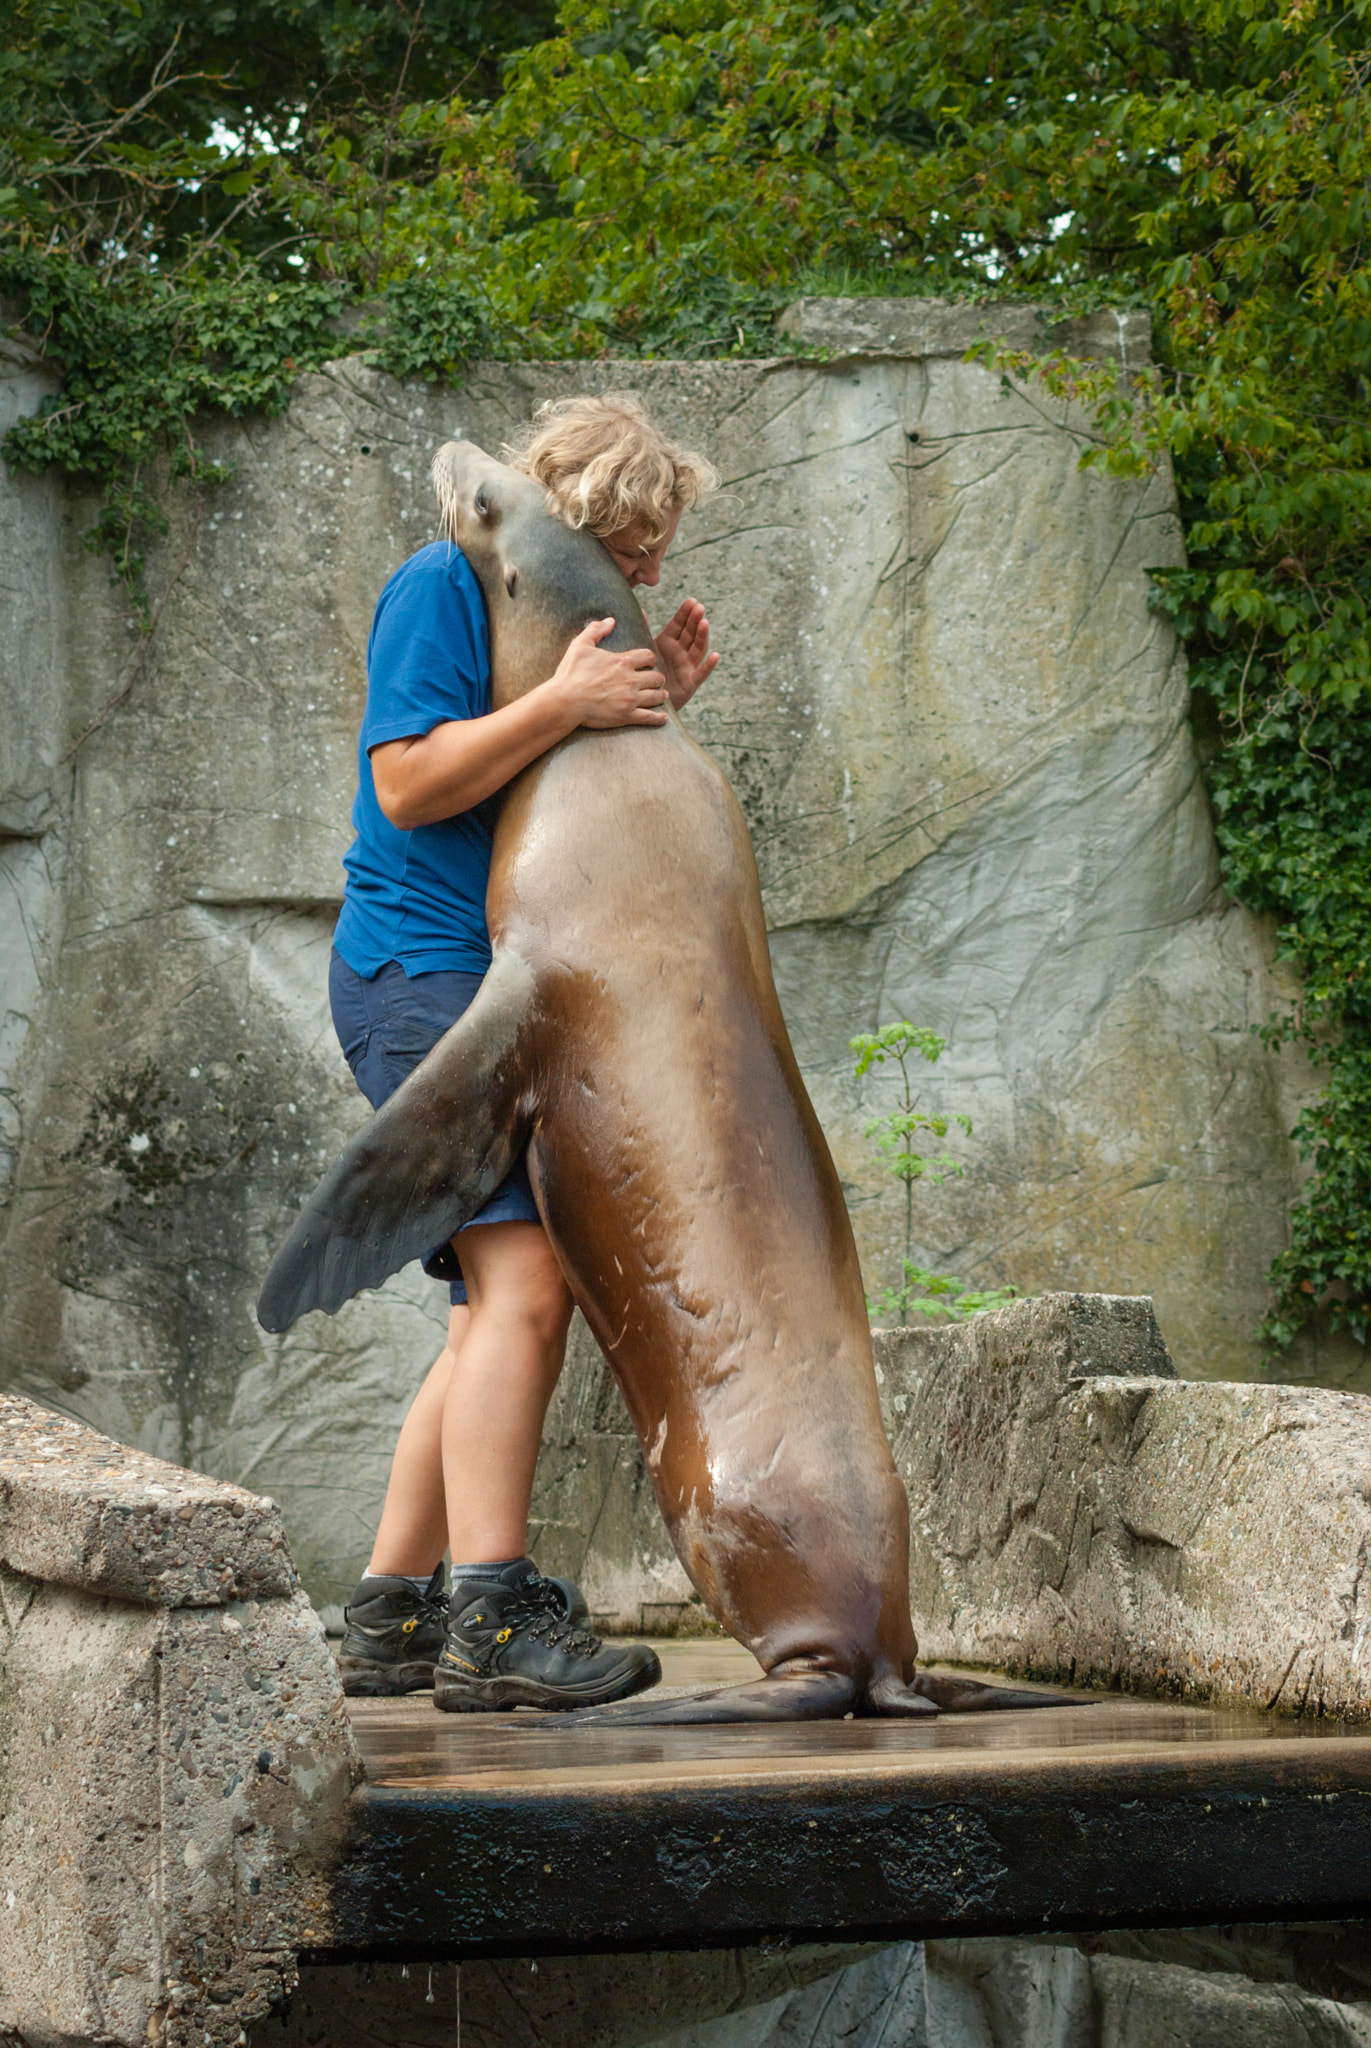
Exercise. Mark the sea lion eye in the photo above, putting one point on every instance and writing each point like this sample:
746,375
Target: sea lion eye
483,503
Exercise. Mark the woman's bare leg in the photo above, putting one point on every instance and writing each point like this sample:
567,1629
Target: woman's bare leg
413,1532
482,1408
499,1387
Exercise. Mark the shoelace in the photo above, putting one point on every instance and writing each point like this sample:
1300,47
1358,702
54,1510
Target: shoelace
549,1625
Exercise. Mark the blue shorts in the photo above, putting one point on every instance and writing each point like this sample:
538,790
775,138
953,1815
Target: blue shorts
385,1027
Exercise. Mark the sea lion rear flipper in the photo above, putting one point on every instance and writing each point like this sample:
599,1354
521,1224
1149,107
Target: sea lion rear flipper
808,1696
955,1695
424,1164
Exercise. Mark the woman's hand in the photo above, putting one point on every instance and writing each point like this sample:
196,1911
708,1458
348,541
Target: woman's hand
683,651
464,760
602,690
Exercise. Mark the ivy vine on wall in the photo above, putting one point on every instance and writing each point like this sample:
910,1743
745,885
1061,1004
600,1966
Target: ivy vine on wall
195,207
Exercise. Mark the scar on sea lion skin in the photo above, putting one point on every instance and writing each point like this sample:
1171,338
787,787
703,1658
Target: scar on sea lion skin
629,1029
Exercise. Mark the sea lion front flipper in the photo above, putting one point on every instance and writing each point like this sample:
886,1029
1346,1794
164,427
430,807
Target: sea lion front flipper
954,1695
424,1164
808,1696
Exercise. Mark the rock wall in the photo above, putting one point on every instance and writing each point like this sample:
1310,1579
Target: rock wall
1076,1509
960,735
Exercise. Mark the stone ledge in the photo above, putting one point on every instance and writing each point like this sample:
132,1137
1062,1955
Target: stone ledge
177,1786
1122,1527
916,328
1069,1336
79,1510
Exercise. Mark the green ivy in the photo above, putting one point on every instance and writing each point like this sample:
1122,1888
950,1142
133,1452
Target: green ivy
142,364
1290,781
431,329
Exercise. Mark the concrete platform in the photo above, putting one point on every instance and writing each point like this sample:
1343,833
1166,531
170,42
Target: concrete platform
524,1834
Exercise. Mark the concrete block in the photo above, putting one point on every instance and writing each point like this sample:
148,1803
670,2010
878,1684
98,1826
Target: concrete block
1064,1337
1123,1527
915,329
176,1763
174,1791
79,1510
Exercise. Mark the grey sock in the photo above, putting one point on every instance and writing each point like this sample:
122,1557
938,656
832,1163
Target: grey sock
484,1571
420,1585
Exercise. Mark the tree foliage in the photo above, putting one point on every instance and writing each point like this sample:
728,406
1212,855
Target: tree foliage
662,177
135,131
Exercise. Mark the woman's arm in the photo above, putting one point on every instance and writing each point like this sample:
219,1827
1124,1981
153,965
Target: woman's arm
464,760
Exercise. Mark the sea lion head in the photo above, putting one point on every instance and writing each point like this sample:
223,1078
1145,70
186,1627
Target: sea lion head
541,579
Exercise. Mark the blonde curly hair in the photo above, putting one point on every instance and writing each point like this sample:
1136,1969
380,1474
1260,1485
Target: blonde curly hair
607,466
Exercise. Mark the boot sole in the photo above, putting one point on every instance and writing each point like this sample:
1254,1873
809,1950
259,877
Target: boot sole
454,1695
363,1680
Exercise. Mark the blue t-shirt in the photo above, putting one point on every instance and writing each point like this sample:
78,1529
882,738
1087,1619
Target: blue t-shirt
420,897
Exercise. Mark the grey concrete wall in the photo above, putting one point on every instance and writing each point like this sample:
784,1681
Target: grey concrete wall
961,738
1080,1511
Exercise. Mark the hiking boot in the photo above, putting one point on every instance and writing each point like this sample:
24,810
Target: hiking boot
510,1644
392,1638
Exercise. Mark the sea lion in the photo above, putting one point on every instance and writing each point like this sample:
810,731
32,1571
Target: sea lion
629,1030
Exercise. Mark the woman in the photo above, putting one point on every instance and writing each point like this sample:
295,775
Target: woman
409,952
